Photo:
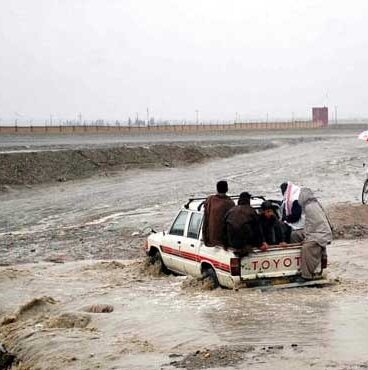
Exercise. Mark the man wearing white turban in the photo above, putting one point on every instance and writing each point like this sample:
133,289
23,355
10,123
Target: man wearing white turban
292,212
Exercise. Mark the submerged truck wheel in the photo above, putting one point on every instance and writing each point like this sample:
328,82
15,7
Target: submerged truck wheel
157,261
209,274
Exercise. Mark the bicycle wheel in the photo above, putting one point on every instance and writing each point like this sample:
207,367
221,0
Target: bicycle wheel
365,192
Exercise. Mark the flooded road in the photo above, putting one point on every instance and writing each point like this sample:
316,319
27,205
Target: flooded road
96,218
164,321
24,142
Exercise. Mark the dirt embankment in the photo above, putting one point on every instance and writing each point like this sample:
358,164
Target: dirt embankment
22,168
349,221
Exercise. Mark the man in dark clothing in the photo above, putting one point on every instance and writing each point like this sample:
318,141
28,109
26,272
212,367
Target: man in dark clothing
274,231
215,208
242,226
292,211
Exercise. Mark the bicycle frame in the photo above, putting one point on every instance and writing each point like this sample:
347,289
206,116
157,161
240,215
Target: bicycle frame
365,186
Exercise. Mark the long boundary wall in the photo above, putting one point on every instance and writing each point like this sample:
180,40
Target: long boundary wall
78,129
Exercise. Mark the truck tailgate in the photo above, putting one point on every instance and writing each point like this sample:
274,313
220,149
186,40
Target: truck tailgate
276,262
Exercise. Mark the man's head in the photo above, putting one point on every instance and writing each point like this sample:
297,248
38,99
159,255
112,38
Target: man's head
222,187
244,198
283,187
267,209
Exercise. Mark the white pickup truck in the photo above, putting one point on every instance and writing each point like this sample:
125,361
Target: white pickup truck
181,250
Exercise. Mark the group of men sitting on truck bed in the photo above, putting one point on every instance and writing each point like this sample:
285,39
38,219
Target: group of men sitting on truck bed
242,228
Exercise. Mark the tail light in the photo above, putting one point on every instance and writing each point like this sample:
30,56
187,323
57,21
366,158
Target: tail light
235,266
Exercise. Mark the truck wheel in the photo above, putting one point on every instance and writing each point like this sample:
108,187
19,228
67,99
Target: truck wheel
209,274
157,261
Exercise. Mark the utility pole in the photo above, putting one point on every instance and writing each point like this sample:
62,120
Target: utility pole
197,116
236,117
292,116
50,119
335,114
147,117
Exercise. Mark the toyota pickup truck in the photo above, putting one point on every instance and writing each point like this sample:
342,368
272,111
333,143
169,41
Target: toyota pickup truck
182,251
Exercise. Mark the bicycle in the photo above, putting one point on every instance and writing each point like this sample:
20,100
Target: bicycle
365,187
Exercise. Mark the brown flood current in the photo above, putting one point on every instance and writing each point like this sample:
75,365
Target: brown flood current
171,322
157,320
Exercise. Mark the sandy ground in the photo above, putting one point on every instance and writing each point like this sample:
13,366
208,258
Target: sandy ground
164,321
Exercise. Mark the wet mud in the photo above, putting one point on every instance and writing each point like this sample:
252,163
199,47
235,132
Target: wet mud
349,221
224,356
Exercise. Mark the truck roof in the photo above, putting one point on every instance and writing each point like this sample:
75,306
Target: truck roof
196,204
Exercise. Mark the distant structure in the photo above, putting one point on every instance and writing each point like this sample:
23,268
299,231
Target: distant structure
320,114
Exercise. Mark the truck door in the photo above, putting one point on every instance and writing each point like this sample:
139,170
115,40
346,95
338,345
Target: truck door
172,243
190,246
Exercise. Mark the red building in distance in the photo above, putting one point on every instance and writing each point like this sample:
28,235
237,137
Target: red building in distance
320,114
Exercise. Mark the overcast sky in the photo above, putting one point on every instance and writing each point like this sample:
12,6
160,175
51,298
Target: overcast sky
112,58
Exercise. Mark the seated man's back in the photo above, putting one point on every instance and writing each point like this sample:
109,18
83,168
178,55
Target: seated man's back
242,225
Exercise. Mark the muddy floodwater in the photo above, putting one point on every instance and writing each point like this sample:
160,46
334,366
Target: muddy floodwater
70,246
159,320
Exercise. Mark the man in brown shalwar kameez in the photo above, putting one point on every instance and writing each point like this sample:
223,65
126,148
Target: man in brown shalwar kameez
317,233
215,208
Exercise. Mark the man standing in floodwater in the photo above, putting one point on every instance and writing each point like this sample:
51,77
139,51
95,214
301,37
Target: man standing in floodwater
317,233
215,208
